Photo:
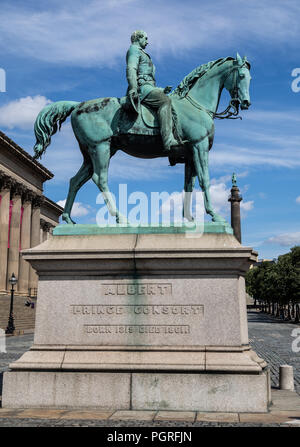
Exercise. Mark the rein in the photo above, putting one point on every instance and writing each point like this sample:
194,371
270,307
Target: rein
234,102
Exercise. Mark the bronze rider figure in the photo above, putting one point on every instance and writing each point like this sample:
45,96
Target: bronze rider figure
140,73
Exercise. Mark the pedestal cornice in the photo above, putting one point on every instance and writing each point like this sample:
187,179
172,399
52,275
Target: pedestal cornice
142,253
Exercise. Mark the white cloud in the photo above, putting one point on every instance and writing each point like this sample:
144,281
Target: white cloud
285,239
224,155
22,112
247,206
78,210
298,199
269,116
219,193
93,32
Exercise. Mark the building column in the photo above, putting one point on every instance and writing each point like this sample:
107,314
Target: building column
34,238
25,243
4,223
14,235
235,198
45,227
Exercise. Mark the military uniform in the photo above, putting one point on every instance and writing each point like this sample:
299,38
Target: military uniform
140,74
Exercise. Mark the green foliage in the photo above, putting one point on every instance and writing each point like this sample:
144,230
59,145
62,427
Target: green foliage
276,281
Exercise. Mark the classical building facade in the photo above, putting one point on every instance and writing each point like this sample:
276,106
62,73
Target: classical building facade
26,215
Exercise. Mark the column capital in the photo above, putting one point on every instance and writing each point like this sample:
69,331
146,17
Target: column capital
235,195
45,226
6,181
28,195
17,189
37,201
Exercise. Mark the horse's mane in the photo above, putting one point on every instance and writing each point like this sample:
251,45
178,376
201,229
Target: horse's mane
187,83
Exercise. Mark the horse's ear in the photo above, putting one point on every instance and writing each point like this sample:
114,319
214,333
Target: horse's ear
245,60
239,59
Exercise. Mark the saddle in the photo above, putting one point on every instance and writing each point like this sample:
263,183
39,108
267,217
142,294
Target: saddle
144,123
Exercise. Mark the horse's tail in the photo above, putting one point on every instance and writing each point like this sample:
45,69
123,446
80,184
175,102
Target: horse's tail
46,123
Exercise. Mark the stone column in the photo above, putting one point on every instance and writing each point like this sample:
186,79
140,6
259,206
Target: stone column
34,237
14,236
25,243
45,227
4,221
235,198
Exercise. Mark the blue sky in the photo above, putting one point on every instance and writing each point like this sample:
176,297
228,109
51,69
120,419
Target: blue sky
74,50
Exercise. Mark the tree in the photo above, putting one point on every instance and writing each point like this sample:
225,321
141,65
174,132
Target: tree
276,282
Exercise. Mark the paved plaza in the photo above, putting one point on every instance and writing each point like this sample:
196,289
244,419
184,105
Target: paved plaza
270,338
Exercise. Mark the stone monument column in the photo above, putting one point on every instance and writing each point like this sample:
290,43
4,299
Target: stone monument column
4,222
25,243
14,236
34,236
235,198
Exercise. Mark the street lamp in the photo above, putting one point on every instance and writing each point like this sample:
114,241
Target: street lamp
11,327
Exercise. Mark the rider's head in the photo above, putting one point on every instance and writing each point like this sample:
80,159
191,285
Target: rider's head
140,37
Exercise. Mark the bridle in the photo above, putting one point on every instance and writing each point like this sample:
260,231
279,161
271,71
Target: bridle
233,103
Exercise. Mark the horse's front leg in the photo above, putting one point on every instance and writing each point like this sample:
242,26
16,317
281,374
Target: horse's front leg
189,183
200,155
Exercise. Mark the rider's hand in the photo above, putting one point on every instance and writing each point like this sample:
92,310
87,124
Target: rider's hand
167,89
133,93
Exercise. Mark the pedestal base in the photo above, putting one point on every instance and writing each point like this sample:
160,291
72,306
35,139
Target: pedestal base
137,391
140,321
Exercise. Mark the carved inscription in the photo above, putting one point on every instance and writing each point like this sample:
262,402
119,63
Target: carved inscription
149,289
167,313
137,329
141,309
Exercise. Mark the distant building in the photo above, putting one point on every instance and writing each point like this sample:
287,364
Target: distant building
26,215
260,261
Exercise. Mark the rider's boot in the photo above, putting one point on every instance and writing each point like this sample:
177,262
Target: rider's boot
165,122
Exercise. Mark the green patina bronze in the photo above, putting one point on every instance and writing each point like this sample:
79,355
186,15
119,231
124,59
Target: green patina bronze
193,228
105,125
233,179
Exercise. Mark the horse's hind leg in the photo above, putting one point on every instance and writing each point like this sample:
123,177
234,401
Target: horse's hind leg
100,156
189,183
76,182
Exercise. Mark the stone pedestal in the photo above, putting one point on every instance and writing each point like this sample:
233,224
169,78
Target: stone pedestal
140,321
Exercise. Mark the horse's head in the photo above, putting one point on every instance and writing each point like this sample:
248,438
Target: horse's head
237,82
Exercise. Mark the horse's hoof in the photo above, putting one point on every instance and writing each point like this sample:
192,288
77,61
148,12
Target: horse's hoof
218,219
67,219
122,220
190,218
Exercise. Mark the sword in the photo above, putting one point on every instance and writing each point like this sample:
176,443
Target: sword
135,102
